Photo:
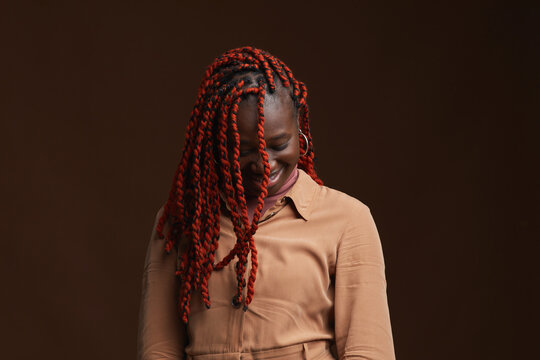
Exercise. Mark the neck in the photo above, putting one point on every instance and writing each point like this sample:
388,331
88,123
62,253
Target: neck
269,201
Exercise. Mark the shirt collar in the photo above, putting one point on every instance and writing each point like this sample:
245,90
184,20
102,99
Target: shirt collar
303,194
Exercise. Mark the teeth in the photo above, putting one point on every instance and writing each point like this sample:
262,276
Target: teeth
274,175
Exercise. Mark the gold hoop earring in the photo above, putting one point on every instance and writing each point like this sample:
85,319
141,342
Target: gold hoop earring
307,142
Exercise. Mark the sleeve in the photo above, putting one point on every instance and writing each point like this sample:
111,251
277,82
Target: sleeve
161,333
362,320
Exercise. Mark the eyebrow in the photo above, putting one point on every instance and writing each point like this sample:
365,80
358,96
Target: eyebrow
273,138
278,137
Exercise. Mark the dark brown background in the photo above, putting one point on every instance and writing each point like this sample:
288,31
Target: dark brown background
422,111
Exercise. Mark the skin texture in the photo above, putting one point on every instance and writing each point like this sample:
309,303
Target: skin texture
280,134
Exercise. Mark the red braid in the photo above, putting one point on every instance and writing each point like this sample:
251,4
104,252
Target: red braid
207,171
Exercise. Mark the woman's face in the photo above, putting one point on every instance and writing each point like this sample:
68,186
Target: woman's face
280,134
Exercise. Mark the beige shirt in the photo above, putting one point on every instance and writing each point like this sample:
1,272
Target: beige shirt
320,280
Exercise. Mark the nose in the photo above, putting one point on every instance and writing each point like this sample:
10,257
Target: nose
257,166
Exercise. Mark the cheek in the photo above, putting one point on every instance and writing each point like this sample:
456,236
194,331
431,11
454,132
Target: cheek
292,155
296,145
243,163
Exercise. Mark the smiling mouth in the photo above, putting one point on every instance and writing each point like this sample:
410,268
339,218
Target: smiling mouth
272,178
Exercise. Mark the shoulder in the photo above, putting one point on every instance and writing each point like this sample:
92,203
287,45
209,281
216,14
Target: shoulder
339,211
340,202
357,230
314,201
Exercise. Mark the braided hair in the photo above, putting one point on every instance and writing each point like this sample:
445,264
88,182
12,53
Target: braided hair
209,174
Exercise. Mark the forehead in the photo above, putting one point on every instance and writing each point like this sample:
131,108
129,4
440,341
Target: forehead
279,114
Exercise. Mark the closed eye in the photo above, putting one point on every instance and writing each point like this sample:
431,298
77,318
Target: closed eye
246,152
280,147
274,147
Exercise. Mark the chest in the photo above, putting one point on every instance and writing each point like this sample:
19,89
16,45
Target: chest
296,258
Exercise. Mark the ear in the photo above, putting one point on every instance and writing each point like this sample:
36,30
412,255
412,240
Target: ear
298,114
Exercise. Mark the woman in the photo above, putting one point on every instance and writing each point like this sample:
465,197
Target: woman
299,270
